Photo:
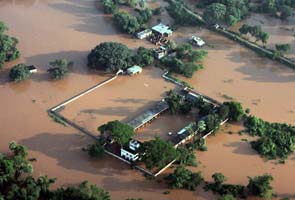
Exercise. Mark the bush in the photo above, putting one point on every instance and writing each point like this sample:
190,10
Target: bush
95,150
109,7
260,186
59,68
184,179
19,73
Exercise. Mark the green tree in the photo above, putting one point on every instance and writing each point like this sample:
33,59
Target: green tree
110,56
144,57
109,7
236,111
59,68
95,150
186,157
120,132
83,192
183,178
126,23
214,13
149,153
174,101
213,122
283,48
286,12
8,50
19,73
260,186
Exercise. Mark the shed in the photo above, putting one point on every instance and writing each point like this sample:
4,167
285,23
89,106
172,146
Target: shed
32,69
144,34
134,70
162,29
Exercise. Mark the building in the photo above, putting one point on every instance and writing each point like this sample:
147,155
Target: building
144,34
162,30
32,69
130,152
197,41
134,70
160,52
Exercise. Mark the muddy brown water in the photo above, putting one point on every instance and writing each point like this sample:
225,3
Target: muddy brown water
70,28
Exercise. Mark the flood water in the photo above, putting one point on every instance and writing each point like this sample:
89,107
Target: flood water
48,30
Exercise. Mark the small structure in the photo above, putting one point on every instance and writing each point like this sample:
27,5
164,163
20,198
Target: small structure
32,69
134,70
160,52
144,34
130,151
162,30
197,41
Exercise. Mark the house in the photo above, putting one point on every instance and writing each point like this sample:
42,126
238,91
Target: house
197,41
144,34
134,70
32,69
162,30
160,52
130,152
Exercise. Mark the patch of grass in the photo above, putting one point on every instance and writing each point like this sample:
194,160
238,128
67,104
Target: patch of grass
245,139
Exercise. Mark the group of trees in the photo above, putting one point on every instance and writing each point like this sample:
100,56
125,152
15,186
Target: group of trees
225,11
59,68
256,32
180,15
279,8
276,140
112,56
186,61
183,178
17,181
8,50
19,73
258,186
126,22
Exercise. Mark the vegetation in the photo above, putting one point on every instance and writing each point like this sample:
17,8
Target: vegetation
180,15
186,62
109,6
277,8
260,186
59,68
282,49
227,197
95,150
276,140
120,132
186,157
19,73
236,111
198,143
225,11
223,189
126,22
183,178
256,32
157,153
110,56
144,57
8,50
17,181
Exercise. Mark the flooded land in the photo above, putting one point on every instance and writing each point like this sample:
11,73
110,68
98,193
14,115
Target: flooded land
49,30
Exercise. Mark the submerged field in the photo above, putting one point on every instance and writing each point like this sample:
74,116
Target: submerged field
69,29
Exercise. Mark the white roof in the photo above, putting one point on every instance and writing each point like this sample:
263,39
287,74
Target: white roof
198,40
162,28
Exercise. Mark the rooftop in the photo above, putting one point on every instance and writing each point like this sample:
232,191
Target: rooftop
163,29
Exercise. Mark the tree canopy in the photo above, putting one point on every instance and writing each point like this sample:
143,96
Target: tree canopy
126,22
8,50
17,181
260,186
157,153
110,56
19,73
120,132
236,111
59,68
